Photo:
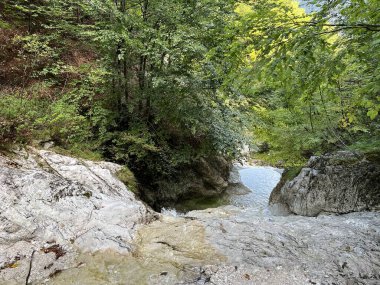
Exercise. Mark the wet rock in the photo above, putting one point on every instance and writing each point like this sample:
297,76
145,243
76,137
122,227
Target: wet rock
188,246
341,182
57,206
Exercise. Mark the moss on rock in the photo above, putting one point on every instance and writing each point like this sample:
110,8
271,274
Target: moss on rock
128,178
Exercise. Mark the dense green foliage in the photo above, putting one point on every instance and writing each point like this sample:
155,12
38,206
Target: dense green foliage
158,83
312,79
128,79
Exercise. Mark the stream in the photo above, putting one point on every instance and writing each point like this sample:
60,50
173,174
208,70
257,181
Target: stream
257,183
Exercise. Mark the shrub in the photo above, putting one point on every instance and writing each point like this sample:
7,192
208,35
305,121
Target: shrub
18,115
64,125
128,178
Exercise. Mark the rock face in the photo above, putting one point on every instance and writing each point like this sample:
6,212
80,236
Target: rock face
203,178
341,182
53,206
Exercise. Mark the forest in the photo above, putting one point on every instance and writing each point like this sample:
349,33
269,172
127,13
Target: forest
157,84
199,142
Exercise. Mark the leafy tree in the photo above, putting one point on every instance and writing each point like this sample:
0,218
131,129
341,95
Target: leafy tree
157,84
311,78
149,93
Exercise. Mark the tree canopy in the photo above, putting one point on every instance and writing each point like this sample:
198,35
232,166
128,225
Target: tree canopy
156,83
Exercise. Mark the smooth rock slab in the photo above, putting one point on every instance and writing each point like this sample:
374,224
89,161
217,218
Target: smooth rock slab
52,203
233,246
292,250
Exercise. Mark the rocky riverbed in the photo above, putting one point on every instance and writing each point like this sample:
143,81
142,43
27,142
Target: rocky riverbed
69,221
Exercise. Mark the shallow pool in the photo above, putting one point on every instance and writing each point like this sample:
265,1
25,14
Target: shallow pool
257,185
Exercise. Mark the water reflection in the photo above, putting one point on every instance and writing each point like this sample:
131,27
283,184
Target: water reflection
260,181
256,185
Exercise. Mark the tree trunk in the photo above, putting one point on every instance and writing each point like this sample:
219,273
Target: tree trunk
311,117
29,17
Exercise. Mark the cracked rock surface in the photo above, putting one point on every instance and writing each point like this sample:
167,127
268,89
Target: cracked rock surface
340,182
54,206
67,221
293,249
234,246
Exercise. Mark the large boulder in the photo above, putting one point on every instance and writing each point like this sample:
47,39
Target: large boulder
204,177
54,206
340,182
